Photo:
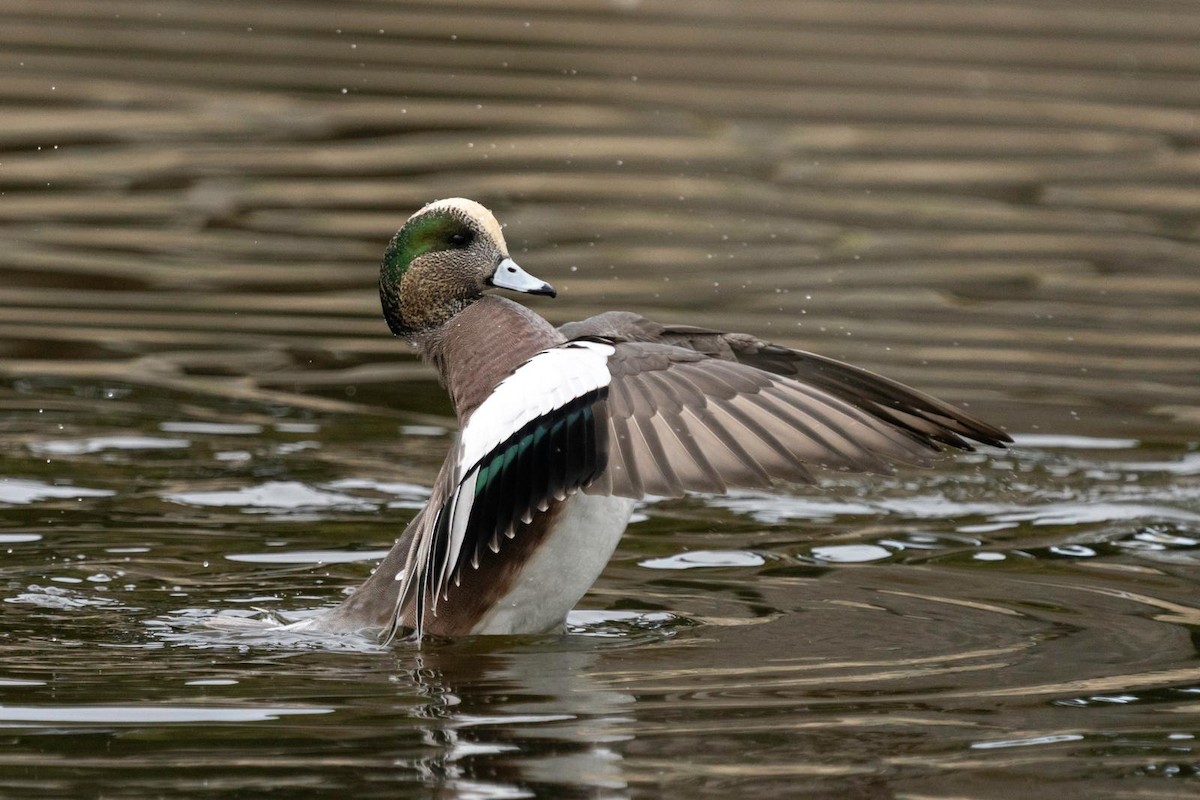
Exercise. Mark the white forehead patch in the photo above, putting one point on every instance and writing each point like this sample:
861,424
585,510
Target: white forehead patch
476,211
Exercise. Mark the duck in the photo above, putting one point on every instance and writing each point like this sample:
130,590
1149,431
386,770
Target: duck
563,430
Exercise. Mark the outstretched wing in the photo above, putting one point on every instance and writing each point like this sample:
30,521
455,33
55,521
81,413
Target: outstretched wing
682,421
880,397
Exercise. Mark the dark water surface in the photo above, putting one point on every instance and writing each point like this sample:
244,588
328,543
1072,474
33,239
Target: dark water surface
203,413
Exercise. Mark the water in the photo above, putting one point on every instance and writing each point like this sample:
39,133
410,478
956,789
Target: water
1010,614
205,417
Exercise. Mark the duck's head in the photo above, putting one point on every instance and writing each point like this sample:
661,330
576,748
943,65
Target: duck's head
443,259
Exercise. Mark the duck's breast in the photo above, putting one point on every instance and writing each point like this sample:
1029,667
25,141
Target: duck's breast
563,567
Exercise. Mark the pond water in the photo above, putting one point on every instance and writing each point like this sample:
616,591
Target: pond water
203,413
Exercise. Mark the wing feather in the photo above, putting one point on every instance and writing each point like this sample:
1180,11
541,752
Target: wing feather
930,420
681,421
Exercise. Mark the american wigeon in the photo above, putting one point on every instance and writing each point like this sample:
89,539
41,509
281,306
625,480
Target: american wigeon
563,429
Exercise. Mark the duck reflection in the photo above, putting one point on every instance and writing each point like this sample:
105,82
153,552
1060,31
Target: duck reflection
534,720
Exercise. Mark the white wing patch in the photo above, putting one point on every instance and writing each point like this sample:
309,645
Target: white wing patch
549,380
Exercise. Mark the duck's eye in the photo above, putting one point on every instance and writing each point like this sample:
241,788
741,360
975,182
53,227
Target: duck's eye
460,239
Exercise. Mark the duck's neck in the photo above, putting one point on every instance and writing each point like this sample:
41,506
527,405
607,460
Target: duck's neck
480,345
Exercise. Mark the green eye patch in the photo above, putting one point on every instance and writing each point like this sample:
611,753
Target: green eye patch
426,234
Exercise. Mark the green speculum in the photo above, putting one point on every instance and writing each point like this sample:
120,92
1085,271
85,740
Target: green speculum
501,459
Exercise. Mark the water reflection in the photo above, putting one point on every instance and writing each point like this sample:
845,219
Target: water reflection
534,720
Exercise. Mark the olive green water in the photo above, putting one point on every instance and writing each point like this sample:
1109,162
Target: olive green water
204,414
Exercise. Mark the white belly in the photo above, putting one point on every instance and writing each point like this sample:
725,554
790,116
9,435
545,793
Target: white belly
563,568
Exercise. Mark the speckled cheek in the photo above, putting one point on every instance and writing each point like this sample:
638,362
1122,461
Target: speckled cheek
412,304
430,294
